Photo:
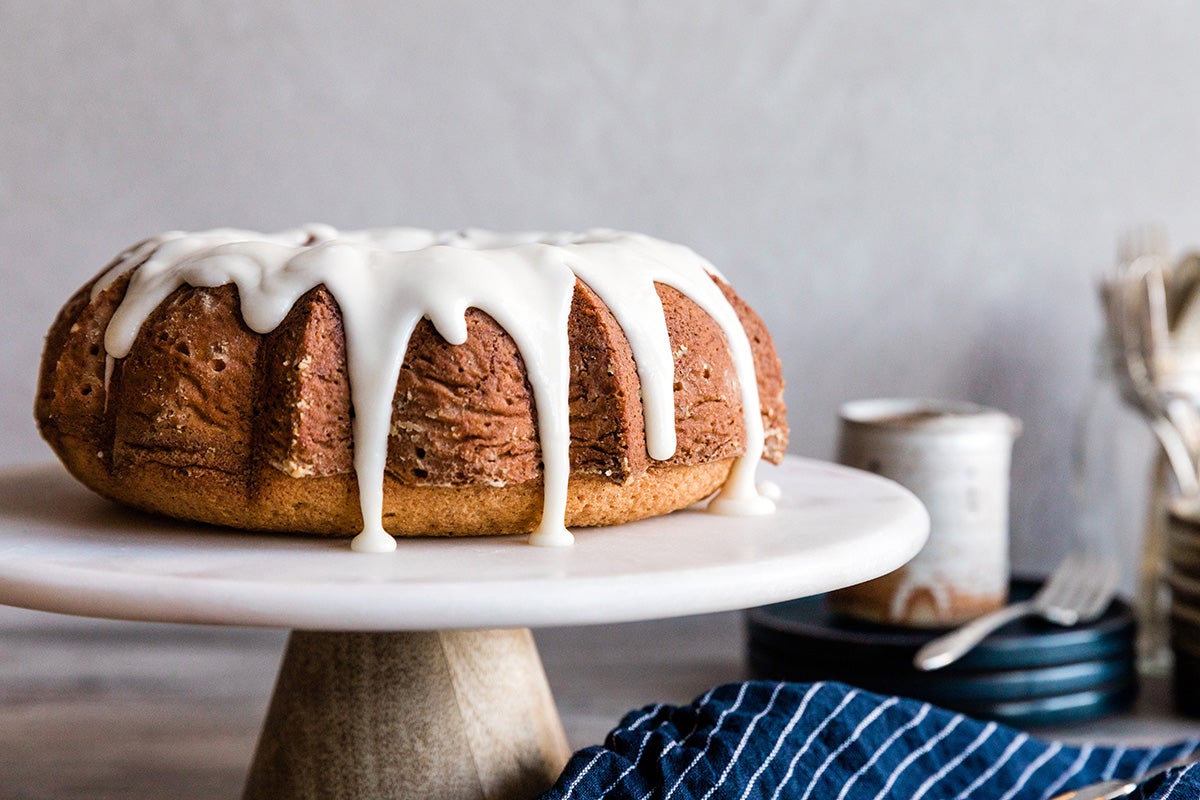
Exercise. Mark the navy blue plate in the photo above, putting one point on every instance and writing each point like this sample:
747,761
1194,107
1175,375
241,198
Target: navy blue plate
1060,710
954,689
806,630
1002,701
1029,673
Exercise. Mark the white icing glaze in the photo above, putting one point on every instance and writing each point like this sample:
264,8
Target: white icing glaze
770,489
386,280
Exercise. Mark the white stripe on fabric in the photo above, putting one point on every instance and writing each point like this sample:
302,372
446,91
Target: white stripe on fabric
1085,753
703,704
1148,759
808,742
582,772
1113,760
704,700
812,690
700,706
633,726
1013,747
915,754
949,766
741,745
1171,789
922,712
637,760
708,741
851,739
1033,767
671,746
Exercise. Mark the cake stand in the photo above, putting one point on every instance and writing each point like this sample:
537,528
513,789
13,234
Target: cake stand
414,674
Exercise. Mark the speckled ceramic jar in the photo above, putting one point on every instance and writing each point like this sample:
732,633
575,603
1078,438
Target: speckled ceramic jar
956,458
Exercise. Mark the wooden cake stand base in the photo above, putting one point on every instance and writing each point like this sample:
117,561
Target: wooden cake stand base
414,674
443,714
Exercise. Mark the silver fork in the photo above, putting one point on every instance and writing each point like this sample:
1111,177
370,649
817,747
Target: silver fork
1079,590
1136,306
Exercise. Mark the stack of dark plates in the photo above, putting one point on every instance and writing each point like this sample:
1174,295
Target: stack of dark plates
1029,673
1183,556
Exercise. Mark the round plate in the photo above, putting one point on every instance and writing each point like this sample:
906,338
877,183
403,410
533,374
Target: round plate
62,549
1060,710
806,629
956,689
1024,698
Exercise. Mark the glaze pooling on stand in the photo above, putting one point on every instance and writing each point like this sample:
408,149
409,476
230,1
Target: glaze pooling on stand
386,280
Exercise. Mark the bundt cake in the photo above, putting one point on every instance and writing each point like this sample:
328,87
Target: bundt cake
412,381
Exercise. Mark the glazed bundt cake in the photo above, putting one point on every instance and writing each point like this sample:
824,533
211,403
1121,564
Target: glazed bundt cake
411,381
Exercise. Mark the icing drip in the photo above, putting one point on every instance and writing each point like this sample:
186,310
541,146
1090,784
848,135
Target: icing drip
770,489
385,281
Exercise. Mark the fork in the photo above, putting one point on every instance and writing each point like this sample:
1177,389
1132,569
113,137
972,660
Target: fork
1079,590
1136,307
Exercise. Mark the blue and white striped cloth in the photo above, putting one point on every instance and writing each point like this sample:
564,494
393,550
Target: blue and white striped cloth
829,741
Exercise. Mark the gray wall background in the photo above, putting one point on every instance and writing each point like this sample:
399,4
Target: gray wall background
917,196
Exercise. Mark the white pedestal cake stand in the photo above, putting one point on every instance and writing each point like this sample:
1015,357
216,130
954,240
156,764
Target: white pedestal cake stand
414,674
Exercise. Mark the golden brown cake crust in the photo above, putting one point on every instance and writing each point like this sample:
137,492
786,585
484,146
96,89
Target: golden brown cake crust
207,420
329,505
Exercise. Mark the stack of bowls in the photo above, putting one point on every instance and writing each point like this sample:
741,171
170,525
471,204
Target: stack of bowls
1183,576
1029,673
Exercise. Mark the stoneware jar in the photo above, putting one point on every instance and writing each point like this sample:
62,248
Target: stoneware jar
955,457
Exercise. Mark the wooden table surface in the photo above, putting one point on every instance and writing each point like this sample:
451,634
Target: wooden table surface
99,709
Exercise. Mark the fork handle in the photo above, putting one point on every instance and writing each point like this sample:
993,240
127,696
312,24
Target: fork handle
952,646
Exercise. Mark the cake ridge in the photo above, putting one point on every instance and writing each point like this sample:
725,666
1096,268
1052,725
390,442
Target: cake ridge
386,280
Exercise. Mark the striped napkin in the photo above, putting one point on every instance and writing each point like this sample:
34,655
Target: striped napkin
834,742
